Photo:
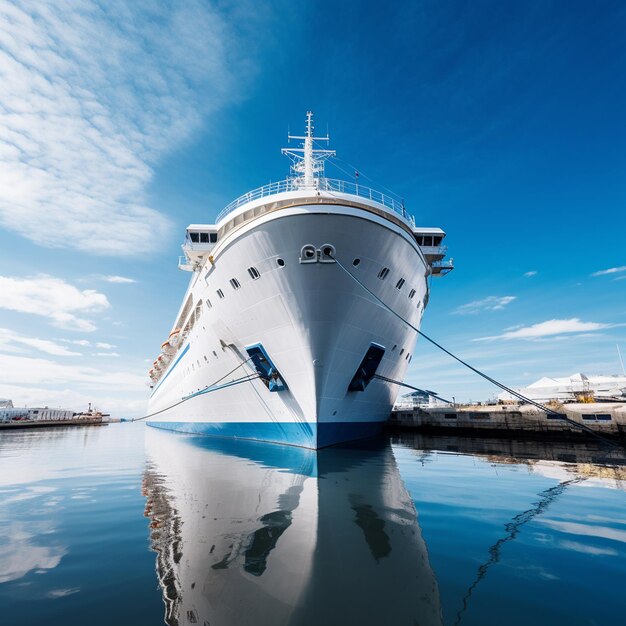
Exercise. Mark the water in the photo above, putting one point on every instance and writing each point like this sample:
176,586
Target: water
125,524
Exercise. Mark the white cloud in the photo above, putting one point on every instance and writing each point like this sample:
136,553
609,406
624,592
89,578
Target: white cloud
93,96
52,298
611,270
118,279
105,346
78,342
114,354
530,274
9,338
20,370
490,303
550,328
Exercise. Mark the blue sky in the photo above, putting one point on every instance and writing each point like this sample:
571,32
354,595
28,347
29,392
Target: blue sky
121,123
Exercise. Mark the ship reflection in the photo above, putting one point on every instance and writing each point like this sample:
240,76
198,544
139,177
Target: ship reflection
251,533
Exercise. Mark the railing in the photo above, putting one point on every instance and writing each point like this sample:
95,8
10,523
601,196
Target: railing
322,184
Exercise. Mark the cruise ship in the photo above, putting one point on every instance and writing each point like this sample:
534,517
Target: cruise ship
293,328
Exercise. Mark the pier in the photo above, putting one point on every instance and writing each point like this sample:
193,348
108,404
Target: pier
12,425
603,418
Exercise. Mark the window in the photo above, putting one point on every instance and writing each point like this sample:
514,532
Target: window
207,360
400,283
428,240
450,416
195,237
204,237
213,237
215,354
254,273
383,273
407,356
234,283
208,303
603,416
395,345
402,352
411,294
280,262
437,241
356,262
220,293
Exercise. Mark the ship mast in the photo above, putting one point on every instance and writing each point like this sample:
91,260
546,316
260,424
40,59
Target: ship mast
307,162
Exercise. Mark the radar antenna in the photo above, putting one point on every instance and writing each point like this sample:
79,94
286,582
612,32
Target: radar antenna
307,163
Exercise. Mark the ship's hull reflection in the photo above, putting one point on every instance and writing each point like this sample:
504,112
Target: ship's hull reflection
252,533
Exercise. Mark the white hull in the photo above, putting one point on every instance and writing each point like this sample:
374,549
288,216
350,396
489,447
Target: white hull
314,321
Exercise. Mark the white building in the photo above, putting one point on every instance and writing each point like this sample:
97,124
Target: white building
572,388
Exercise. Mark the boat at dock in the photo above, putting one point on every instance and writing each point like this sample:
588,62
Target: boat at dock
277,338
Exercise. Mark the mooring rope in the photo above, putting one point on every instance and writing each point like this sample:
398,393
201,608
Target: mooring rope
502,386
207,389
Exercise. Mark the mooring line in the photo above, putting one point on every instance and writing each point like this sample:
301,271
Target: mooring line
207,389
502,386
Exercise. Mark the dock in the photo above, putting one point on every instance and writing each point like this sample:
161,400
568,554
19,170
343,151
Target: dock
51,423
607,419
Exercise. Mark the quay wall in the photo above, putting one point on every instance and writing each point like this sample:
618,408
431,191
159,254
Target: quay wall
605,418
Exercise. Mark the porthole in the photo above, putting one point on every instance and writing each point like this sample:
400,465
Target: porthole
356,262
402,352
400,283
411,294
208,303
234,283
395,345
220,293
407,356
280,262
215,354
383,273
254,273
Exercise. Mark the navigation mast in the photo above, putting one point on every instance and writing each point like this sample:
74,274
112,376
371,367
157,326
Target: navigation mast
308,162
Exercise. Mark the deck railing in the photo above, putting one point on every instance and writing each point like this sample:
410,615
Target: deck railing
323,184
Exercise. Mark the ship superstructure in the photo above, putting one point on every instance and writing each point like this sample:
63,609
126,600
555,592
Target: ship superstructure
268,299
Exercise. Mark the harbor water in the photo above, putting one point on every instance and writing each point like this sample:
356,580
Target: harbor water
124,524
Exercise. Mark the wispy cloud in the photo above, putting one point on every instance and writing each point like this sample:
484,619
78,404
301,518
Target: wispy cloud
10,339
530,274
93,95
15,369
118,279
63,304
113,354
105,346
611,270
490,303
550,328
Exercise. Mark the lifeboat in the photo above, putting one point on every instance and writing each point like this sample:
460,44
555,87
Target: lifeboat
174,338
167,347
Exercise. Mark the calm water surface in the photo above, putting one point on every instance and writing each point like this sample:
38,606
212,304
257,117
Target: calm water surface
124,524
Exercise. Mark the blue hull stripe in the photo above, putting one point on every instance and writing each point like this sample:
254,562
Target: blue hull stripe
313,436
182,354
